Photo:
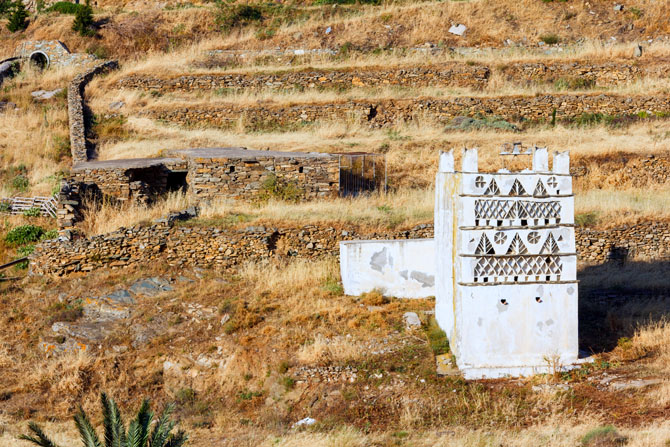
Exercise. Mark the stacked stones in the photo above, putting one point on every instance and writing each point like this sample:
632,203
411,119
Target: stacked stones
453,74
246,178
385,113
75,103
179,246
226,248
649,240
118,181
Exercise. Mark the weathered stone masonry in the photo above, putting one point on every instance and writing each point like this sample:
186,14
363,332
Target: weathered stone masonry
388,112
243,174
75,103
226,248
448,74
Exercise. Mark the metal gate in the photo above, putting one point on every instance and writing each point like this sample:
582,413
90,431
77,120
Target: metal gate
362,172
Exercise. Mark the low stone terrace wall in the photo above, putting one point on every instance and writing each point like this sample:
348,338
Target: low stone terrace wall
227,248
452,74
75,106
388,112
449,74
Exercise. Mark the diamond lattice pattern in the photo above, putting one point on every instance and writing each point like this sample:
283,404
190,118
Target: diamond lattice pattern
528,265
513,209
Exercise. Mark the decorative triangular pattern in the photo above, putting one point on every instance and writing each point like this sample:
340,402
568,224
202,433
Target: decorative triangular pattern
517,189
540,190
517,247
485,247
492,189
550,246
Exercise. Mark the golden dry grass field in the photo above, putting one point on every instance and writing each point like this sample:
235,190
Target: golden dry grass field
247,354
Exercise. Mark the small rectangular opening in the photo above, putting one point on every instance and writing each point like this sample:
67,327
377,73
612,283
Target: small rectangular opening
300,169
524,222
231,169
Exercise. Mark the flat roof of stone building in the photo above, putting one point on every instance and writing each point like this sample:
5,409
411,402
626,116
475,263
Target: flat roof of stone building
125,163
241,152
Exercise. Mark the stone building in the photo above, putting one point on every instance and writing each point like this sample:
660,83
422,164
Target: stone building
502,266
231,172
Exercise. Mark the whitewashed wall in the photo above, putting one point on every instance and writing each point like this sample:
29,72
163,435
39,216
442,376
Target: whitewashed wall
400,268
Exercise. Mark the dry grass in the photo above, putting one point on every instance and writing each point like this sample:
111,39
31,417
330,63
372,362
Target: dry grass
323,350
653,340
615,206
403,208
36,134
105,217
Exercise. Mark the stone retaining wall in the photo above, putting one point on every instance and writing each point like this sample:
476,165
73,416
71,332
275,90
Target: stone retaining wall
448,74
226,248
452,74
75,102
388,112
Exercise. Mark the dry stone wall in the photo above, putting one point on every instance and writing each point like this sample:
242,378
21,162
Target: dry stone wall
314,177
227,248
449,74
453,74
75,102
384,113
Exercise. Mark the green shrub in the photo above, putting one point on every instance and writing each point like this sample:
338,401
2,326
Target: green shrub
586,219
605,436
274,187
550,39
20,183
50,234
437,338
83,21
230,15
574,84
66,8
24,234
467,123
5,7
32,212
5,207
333,286
18,18
23,252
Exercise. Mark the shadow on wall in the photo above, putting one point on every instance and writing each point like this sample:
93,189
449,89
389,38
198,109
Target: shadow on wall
618,296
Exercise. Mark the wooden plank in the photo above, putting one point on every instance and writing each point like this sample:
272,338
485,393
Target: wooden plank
14,262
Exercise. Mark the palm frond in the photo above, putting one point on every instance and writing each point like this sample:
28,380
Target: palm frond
177,439
115,434
138,430
163,427
88,436
40,437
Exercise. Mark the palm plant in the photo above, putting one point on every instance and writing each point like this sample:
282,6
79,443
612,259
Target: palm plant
137,435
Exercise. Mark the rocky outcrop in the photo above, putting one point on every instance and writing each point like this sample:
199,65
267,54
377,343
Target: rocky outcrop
227,248
8,67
